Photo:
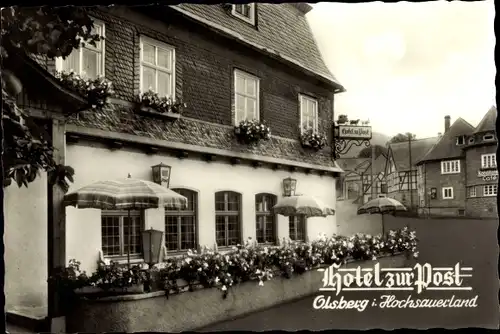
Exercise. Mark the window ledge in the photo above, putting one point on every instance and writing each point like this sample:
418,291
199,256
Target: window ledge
121,260
153,112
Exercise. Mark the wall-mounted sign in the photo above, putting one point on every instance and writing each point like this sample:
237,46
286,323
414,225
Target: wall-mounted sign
488,175
433,193
353,132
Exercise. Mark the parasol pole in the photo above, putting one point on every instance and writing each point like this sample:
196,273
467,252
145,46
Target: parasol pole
383,226
129,239
129,234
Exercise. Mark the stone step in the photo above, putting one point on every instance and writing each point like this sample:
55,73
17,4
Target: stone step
26,323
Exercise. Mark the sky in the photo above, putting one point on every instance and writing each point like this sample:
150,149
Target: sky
407,65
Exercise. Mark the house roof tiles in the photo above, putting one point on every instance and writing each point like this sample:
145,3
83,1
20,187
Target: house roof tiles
282,30
447,146
419,147
488,123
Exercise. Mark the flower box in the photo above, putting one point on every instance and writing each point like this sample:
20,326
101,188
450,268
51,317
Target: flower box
155,312
96,91
152,111
95,290
312,140
251,132
151,103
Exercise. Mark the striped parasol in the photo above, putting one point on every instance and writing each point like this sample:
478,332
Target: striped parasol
302,205
125,194
382,206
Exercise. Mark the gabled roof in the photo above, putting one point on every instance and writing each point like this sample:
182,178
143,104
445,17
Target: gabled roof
379,164
419,148
282,31
357,165
447,147
488,122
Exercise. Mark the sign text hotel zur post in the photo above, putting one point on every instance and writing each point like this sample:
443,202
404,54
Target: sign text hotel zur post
415,280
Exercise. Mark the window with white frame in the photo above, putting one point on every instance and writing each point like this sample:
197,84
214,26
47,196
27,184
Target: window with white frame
245,12
157,67
115,231
246,96
227,218
447,192
297,228
87,60
180,225
488,160
265,219
490,190
488,137
460,140
472,191
450,167
308,113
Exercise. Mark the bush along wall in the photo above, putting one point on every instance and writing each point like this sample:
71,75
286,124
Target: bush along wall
251,261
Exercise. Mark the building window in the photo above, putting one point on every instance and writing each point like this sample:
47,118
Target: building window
450,167
265,219
246,96
308,113
297,228
490,190
488,137
488,160
447,193
460,140
87,60
115,232
227,218
180,225
245,12
471,140
472,192
157,67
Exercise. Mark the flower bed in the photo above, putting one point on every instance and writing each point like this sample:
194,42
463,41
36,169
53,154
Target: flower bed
251,132
97,91
271,267
243,263
152,312
151,102
312,140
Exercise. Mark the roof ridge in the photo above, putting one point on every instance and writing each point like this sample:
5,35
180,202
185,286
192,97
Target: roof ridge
466,122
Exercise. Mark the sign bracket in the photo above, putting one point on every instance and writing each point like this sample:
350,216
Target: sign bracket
345,136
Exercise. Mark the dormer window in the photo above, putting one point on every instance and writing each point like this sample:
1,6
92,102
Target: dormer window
488,137
245,12
460,140
471,140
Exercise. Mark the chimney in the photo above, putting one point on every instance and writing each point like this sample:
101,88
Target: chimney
446,123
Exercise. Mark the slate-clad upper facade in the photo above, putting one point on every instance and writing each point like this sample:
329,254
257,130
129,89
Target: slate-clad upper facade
209,45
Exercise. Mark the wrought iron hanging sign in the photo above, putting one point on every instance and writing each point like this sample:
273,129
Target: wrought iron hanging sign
348,133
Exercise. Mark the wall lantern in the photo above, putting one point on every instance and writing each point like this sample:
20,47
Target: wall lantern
151,244
289,186
433,193
161,174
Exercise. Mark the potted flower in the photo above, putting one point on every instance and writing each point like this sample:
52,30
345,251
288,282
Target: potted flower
342,119
251,132
313,140
97,91
151,102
